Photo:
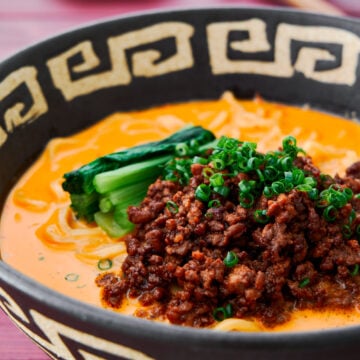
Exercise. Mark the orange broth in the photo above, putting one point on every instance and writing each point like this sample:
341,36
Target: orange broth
70,266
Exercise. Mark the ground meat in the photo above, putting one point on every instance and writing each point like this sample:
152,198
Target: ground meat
354,170
352,178
297,259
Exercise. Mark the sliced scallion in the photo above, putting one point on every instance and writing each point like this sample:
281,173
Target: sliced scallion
346,231
216,180
222,190
355,271
72,277
203,192
330,213
261,216
172,207
104,264
182,149
246,200
231,259
214,203
222,313
304,282
218,164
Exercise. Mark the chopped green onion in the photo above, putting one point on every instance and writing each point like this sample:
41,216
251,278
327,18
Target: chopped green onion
241,164
222,190
346,231
290,148
248,149
230,144
355,271
170,176
334,196
222,313
172,207
286,163
104,264
218,164
330,213
270,173
298,177
313,193
231,259
194,146
214,203
246,186
202,192
309,180
348,193
304,282
261,216
352,216
304,188
253,163
260,175
288,186
199,160
268,192
216,180
288,142
278,187
72,277
207,172
246,200
182,149
229,310
339,200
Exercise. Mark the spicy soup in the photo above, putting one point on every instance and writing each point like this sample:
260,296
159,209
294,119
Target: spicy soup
41,237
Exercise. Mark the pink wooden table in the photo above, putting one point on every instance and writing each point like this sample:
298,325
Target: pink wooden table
23,22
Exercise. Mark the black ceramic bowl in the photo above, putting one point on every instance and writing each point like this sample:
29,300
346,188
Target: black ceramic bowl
66,83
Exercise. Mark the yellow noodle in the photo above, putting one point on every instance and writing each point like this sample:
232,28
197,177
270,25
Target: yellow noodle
233,324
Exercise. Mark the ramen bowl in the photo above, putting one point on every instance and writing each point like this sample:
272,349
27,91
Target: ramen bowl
67,83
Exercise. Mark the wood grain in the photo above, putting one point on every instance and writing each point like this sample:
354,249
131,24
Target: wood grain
14,345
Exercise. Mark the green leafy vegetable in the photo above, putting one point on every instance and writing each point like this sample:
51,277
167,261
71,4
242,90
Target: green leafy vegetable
81,180
102,190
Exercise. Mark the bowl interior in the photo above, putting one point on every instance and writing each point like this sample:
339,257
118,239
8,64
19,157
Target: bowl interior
69,82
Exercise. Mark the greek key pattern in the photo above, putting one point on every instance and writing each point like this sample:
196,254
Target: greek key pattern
84,78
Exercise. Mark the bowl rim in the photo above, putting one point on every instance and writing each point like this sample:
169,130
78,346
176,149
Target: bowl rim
86,312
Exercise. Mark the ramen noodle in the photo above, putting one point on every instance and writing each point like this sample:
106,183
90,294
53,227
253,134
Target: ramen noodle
41,237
